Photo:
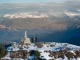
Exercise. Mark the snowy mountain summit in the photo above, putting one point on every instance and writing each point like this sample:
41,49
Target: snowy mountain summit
42,51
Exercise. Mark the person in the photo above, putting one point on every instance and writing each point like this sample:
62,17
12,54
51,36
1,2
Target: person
35,39
32,40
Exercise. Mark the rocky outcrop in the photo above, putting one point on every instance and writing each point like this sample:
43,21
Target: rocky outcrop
2,26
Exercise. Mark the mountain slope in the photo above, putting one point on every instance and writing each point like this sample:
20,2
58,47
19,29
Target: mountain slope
48,50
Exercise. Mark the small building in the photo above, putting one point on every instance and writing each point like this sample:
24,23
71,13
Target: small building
25,40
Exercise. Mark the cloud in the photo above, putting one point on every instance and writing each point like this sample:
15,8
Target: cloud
63,0
70,6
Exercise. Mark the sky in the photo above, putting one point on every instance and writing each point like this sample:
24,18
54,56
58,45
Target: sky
22,1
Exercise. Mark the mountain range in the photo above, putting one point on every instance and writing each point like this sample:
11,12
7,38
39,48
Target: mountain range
50,21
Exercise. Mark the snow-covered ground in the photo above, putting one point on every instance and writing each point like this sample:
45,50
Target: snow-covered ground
53,46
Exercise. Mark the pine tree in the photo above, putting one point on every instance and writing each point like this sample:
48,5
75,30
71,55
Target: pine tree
37,54
2,50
